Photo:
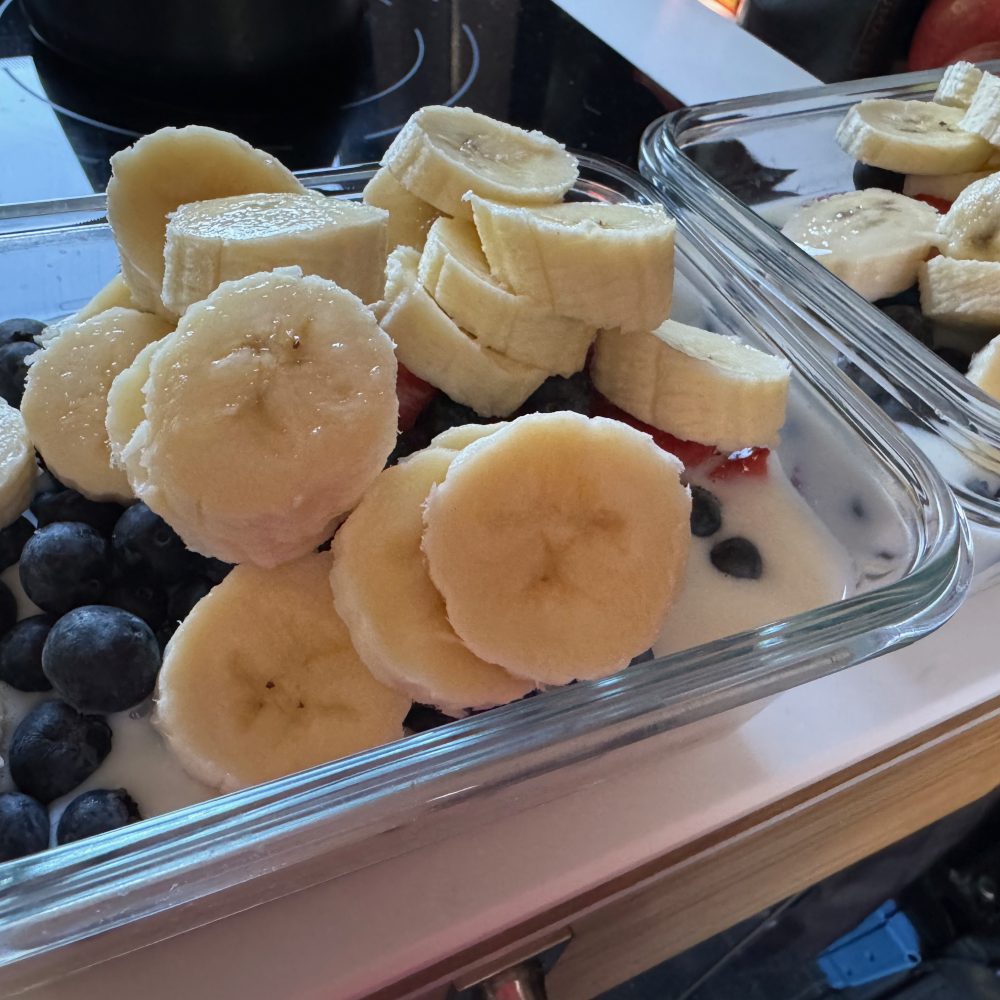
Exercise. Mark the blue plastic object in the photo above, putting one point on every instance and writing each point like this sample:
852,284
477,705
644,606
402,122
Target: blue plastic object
883,944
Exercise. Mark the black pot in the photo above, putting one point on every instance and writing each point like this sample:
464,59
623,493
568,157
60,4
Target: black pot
184,45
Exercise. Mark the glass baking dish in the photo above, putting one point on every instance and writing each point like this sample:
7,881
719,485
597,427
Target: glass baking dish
910,561
745,164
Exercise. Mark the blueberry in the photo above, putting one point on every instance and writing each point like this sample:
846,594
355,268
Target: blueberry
13,370
12,541
866,176
55,748
958,360
96,812
142,541
141,596
913,321
737,557
21,654
644,657
706,512
421,718
101,659
68,505
908,297
24,826
558,393
8,609
64,565
185,596
22,329
214,570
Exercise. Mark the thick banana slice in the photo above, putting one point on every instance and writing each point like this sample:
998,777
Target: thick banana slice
696,385
172,167
873,240
261,680
409,217
18,471
267,415
958,85
441,153
558,544
395,615
433,347
970,230
947,187
209,242
983,114
66,398
911,137
985,369
126,402
454,270
961,291
608,265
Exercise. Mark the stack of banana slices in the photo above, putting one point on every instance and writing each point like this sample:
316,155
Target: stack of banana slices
882,242
239,376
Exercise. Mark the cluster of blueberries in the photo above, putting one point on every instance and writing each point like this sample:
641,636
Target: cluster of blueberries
113,584
736,556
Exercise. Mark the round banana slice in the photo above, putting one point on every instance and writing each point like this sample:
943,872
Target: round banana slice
947,187
872,240
409,217
958,85
982,117
970,229
126,402
267,415
965,292
66,398
696,385
558,544
261,680
985,369
607,265
454,270
210,242
441,153
435,349
911,137
395,615
18,471
172,167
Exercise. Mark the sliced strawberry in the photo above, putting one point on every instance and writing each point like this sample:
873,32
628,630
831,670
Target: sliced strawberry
414,394
746,462
941,204
691,453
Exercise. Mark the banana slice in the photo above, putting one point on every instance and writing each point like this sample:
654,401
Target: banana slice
696,385
983,114
126,402
970,230
558,544
911,137
457,438
66,398
958,85
209,242
443,152
947,187
436,350
872,240
961,291
261,680
985,369
409,217
454,270
114,293
172,167
608,265
393,612
267,415
18,471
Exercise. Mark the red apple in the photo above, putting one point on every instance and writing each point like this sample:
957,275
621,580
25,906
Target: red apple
949,29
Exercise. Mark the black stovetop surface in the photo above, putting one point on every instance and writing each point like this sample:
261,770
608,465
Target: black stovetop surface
525,61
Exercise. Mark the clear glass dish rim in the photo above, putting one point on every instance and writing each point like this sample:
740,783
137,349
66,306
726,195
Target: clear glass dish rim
83,893
902,365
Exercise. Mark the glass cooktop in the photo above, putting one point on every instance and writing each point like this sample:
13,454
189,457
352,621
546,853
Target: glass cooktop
525,61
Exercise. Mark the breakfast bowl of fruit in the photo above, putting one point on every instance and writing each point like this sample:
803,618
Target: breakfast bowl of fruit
875,200
338,504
